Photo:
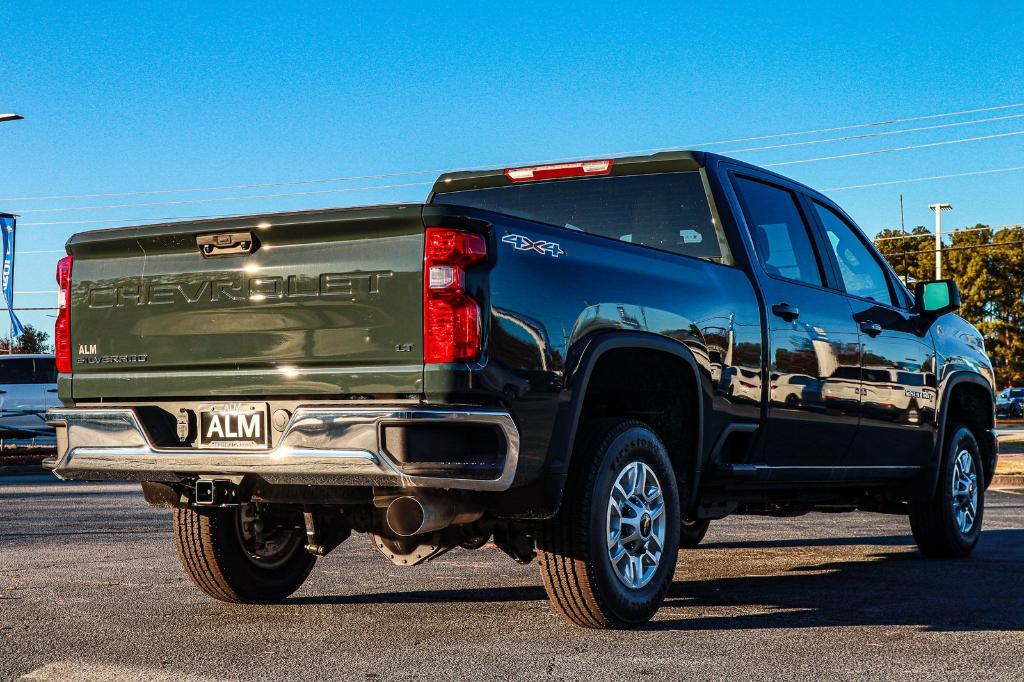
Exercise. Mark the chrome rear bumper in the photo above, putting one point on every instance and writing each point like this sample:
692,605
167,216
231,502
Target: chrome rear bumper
319,446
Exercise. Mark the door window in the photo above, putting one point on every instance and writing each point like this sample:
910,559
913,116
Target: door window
45,371
780,234
862,274
16,371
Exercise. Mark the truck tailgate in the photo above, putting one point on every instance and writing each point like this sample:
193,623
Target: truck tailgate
313,303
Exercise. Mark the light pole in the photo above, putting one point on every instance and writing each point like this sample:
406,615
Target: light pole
4,118
939,208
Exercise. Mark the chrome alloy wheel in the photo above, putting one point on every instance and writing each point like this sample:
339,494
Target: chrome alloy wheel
636,525
965,491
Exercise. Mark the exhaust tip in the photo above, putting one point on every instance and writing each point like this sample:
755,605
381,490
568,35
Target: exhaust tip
405,516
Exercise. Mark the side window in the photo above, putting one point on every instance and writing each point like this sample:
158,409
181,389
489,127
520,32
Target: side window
903,297
46,371
16,371
781,238
862,274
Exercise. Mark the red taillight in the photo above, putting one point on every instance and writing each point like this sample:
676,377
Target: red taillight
62,330
451,317
559,170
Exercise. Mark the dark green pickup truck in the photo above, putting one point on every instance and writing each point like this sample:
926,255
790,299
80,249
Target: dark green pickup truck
585,362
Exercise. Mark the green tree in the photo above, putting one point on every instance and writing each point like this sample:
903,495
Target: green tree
32,340
988,266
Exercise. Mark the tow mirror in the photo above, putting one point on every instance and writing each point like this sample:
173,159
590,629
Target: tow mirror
936,298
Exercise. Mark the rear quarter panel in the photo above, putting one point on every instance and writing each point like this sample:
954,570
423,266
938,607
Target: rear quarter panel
544,304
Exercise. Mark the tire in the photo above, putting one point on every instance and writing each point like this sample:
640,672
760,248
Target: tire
936,519
212,551
575,559
691,534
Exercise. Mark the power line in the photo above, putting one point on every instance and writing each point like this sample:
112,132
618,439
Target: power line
881,133
140,220
931,235
957,248
279,195
894,149
931,177
208,200
112,222
285,183
221,188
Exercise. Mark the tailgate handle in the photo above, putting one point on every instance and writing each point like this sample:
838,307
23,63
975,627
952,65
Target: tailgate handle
227,244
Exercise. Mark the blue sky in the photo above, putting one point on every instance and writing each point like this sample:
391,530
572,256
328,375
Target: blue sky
132,97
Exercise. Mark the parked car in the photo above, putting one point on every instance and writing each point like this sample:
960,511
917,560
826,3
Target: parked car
573,361
1010,403
28,388
796,389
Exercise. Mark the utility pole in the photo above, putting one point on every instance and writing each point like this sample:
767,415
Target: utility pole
939,208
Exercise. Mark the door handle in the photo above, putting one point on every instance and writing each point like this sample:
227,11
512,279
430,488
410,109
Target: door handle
51,390
786,311
870,328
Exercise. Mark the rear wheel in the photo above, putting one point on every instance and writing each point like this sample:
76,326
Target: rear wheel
608,557
247,554
691,533
947,523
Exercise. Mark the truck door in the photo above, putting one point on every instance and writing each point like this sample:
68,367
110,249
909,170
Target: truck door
46,376
21,398
812,338
897,380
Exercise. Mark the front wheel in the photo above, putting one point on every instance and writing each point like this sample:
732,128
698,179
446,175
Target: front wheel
252,554
608,557
947,523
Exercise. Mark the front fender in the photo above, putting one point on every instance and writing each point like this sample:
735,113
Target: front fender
949,382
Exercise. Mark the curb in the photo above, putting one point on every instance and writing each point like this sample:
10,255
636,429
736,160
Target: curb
1007,482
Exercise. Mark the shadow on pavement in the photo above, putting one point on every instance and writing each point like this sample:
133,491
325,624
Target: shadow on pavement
869,541
984,592
469,595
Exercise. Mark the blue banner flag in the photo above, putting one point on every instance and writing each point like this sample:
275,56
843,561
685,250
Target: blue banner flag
7,276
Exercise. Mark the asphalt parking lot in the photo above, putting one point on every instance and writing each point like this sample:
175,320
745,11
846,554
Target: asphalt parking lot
90,588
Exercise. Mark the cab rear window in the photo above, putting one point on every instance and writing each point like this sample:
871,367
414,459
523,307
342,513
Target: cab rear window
667,211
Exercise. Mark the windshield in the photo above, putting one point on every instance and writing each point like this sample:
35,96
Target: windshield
667,211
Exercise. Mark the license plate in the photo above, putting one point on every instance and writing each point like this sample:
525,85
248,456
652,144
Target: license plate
233,425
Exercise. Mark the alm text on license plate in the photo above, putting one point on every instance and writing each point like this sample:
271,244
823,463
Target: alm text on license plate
233,425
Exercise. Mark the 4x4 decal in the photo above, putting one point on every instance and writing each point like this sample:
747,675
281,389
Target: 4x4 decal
522,243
